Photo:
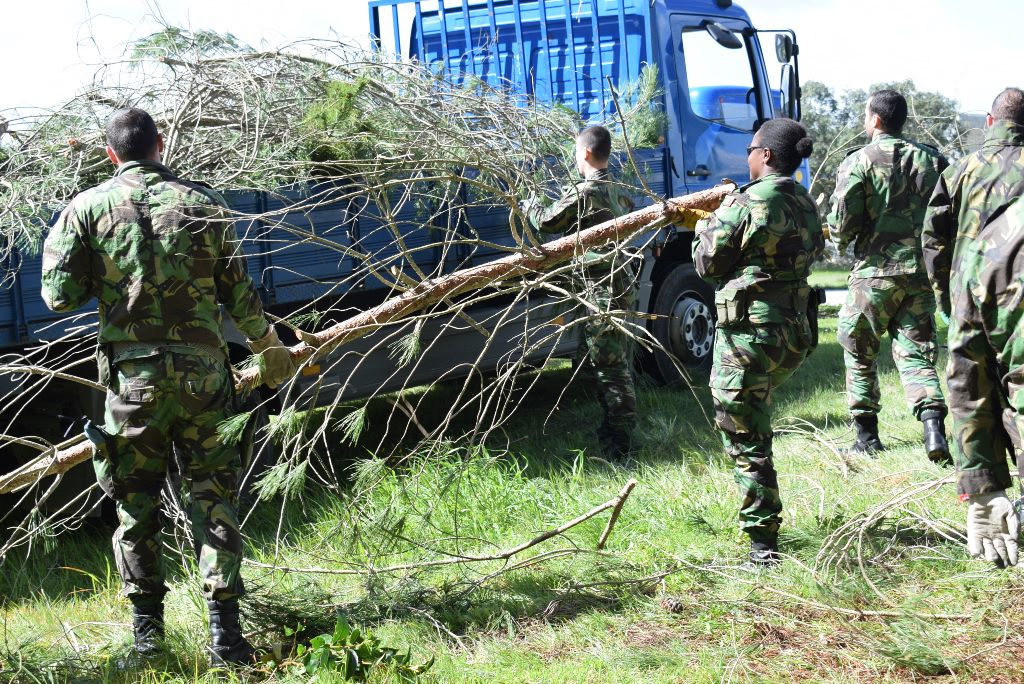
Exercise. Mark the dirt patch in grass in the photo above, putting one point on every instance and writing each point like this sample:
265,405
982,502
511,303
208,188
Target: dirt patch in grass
652,634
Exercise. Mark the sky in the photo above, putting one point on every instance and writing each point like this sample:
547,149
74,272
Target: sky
966,50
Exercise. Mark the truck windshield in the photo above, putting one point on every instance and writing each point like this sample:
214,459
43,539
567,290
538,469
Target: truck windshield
720,80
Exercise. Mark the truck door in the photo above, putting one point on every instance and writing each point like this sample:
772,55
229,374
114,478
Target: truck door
722,99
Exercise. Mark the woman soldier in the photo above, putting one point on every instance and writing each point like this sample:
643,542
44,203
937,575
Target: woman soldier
758,248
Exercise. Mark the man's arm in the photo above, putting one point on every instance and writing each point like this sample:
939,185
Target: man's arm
975,404
846,220
235,289
719,239
937,236
562,216
67,281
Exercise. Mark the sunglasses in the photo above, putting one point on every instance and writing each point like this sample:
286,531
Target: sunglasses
755,147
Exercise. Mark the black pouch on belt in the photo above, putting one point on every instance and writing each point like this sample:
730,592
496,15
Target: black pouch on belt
816,299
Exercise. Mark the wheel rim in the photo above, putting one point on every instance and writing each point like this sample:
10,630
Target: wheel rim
691,327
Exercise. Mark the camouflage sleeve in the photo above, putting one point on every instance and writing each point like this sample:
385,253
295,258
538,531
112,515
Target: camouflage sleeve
560,217
67,280
236,290
975,404
937,236
718,239
849,203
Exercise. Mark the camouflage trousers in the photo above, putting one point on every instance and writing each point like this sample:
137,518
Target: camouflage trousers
903,306
605,349
749,362
158,404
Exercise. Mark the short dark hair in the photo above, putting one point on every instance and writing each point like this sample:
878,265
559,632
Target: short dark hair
1009,106
132,134
891,108
788,142
598,140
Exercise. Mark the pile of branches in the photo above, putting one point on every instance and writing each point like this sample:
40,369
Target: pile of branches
319,127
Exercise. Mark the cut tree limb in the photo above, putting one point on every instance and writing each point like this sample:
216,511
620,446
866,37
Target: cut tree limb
428,293
614,503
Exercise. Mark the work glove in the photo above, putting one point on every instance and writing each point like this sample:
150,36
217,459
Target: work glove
274,360
690,217
992,528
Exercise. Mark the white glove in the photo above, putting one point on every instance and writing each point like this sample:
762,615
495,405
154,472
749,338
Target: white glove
992,528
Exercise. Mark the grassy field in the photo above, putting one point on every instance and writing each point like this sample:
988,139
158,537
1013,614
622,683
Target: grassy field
876,585
829,278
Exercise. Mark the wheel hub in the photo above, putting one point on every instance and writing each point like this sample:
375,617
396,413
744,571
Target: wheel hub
691,329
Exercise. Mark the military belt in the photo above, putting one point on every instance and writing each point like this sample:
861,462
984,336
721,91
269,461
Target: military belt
118,349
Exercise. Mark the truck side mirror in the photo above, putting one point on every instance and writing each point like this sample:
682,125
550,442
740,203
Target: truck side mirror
723,36
790,94
783,48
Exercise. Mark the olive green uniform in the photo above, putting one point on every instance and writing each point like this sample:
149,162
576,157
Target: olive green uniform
161,257
608,282
878,207
758,248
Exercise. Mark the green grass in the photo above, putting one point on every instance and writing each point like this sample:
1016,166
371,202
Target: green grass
829,278
664,602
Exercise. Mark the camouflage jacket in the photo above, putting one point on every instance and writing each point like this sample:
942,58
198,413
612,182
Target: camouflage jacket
758,247
878,205
158,253
596,199
966,197
986,353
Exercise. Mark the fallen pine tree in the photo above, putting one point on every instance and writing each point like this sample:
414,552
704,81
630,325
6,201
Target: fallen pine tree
685,209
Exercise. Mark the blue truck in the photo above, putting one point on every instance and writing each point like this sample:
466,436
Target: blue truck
553,51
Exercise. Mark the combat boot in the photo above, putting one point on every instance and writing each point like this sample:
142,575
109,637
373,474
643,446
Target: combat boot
616,443
935,444
148,627
227,645
764,554
867,441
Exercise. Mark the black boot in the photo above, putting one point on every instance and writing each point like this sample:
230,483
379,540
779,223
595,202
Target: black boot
227,645
935,438
867,441
148,626
616,443
764,553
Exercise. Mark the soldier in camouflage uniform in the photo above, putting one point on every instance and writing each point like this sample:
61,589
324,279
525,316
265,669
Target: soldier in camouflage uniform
758,248
607,281
986,380
161,256
972,192
878,207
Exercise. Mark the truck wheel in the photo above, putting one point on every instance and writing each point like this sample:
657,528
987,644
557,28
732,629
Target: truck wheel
685,323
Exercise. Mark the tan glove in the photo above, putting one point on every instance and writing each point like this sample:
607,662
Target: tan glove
992,528
274,360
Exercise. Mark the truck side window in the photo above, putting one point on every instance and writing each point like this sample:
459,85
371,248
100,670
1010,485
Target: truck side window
720,81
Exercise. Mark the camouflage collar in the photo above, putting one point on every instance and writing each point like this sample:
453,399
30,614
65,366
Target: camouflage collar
599,174
882,136
774,177
142,166
1004,133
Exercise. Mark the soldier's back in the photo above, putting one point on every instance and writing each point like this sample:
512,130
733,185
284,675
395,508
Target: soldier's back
901,175
160,243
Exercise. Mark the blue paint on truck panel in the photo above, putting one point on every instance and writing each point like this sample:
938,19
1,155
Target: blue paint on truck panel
547,51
